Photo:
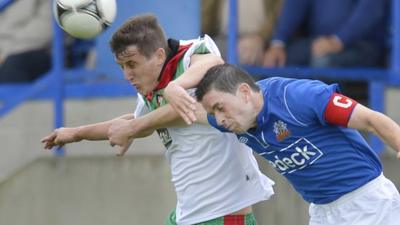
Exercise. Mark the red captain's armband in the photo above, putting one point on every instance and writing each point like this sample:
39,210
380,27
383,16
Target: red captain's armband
339,109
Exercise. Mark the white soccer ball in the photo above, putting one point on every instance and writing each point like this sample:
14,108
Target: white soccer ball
84,19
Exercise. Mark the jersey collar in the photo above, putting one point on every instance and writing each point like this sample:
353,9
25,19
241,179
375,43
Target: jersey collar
168,71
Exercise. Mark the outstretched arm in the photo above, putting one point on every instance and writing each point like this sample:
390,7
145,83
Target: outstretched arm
122,132
366,119
175,92
93,132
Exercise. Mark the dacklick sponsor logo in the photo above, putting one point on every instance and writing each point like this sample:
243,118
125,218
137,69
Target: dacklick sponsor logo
296,156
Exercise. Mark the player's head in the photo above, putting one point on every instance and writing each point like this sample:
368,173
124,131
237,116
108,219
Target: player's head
140,48
229,93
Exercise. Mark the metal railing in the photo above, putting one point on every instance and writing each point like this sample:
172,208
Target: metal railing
4,4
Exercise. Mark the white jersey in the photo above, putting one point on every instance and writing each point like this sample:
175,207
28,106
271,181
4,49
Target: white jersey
213,173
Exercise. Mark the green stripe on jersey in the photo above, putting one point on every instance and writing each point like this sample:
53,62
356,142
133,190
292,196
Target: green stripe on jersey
158,99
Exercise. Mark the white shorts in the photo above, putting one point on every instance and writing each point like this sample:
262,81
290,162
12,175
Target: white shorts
375,203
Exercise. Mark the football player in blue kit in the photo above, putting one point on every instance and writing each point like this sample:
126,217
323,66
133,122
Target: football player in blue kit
308,132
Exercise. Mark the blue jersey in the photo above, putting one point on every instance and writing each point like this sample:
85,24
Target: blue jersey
322,161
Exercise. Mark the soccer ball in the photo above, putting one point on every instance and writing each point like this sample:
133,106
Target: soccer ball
84,19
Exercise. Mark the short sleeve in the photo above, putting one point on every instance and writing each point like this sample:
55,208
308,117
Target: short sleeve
306,100
339,109
141,108
202,45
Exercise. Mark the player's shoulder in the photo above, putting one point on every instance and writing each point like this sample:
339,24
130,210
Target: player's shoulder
305,93
201,45
294,88
274,85
307,87
202,39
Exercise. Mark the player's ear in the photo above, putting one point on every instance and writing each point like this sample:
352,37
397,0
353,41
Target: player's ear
244,91
161,56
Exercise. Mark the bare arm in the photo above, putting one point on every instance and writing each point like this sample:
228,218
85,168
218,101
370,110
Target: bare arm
199,64
175,92
93,132
165,116
122,131
98,131
366,119
201,114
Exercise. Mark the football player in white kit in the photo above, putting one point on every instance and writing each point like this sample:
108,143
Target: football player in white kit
216,178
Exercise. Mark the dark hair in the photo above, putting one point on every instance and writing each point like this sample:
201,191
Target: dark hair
142,31
225,78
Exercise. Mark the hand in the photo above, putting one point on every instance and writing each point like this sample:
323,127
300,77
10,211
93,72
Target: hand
118,134
275,56
250,49
181,101
325,45
60,137
398,155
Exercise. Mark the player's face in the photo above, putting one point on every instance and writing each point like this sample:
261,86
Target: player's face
231,111
140,71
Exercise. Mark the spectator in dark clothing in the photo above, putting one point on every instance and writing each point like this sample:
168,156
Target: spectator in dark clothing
25,38
338,33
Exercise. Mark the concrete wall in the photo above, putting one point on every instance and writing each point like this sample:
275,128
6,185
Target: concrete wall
91,186
88,191
22,130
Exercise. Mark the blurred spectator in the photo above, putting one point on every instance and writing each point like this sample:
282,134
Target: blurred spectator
25,38
79,52
331,33
337,33
255,23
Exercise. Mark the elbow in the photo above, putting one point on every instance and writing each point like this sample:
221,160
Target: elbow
216,60
370,128
219,61
371,123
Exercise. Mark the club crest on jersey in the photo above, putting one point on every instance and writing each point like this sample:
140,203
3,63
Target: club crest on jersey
281,131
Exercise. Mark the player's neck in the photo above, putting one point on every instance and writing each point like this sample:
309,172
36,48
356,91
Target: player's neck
258,104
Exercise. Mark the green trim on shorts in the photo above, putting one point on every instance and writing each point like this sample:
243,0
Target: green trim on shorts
249,218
